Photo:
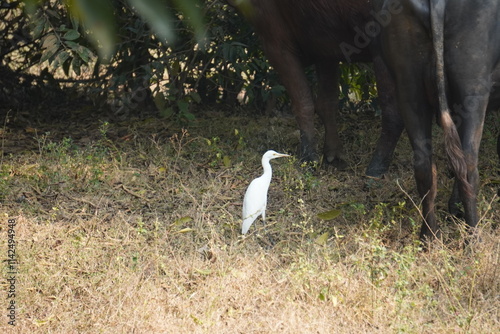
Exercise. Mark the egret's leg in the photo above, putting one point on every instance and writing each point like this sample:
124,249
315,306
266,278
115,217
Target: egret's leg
270,241
264,221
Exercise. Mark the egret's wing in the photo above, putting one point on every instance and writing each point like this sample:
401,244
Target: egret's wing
254,203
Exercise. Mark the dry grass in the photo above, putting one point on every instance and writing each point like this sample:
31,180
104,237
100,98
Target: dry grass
134,227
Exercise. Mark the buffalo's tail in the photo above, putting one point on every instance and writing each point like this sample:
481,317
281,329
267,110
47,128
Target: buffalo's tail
452,141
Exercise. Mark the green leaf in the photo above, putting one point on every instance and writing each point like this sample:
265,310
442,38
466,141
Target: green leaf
75,23
53,13
71,35
189,116
66,66
196,97
49,41
60,58
47,54
278,90
159,101
84,53
329,215
183,107
50,47
31,6
72,45
183,220
227,161
185,230
98,18
75,65
203,271
322,239
196,320
167,112
39,27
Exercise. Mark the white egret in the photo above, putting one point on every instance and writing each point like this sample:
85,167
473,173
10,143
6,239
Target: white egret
255,200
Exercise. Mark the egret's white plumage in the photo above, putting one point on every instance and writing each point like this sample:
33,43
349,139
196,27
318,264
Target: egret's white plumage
255,200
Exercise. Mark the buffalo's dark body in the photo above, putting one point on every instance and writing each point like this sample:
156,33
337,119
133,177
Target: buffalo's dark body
297,33
442,54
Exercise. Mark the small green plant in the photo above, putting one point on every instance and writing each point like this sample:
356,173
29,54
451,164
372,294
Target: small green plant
218,149
303,181
386,216
240,140
103,145
304,224
378,263
177,106
141,229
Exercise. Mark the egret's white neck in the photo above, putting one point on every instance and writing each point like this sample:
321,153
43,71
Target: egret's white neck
268,171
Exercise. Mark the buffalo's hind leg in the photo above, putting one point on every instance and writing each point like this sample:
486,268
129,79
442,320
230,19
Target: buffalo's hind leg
425,172
418,119
469,89
470,122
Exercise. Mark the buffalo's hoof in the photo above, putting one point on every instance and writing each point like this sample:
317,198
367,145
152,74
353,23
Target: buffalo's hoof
429,238
374,183
456,209
377,170
337,163
311,158
376,173
472,238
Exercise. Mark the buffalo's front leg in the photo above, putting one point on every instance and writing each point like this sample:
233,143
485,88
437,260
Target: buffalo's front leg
303,110
392,122
327,104
289,68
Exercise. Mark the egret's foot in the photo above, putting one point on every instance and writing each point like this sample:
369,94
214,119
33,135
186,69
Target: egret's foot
266,237
267,241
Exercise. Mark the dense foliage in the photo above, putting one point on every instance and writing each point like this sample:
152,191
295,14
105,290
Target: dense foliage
52,47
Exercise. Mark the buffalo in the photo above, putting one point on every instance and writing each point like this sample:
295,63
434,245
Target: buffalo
297,33
443,53
433,62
